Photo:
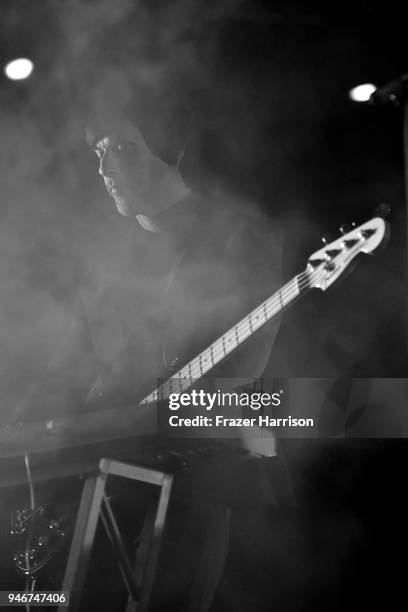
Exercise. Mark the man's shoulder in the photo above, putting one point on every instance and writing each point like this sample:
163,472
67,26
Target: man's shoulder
250,243
226,228
254,234
232,216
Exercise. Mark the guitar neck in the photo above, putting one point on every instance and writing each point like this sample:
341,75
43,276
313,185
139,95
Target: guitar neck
212,356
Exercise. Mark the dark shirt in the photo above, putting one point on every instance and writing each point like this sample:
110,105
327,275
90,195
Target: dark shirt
150,298
180,289
164,296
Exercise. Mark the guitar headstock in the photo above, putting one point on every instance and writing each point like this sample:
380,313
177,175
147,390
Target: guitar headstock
327,264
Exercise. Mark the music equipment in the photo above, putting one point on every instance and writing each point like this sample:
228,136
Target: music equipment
37,537
323,268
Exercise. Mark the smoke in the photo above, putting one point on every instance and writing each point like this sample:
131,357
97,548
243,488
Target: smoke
261,116
55,213
272,138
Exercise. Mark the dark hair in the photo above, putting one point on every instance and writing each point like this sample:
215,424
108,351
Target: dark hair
165,119
181,123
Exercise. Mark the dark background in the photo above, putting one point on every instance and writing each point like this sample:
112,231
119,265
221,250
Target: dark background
277,76
284,133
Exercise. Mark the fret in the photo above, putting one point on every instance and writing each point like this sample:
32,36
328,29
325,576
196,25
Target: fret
168,389
294,286
290,290
265,311
194,371
208,359
237,334
230,343
273,307
242,332
298,287
206,356
163,388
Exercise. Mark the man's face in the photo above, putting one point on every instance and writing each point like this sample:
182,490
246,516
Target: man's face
138,181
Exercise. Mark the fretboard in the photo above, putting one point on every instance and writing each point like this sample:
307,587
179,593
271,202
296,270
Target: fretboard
210,357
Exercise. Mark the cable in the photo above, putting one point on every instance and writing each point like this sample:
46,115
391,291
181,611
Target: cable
30,482
28,540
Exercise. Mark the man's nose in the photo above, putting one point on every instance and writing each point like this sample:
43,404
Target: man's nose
106,164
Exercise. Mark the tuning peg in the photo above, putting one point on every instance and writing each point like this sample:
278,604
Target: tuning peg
345,228
326,239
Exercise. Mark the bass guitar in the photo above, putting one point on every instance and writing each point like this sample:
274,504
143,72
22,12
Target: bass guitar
322,269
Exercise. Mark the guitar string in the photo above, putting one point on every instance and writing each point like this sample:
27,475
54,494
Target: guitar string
289,291
293,289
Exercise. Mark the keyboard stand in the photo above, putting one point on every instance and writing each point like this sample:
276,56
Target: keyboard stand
94,504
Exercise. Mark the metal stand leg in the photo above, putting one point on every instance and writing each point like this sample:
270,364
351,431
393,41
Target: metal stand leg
138,580
83,538
115,538
147,557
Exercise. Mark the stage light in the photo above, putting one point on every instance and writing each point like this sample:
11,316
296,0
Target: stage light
19,69
362,93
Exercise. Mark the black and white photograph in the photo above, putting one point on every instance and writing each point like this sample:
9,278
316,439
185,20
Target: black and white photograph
203,300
